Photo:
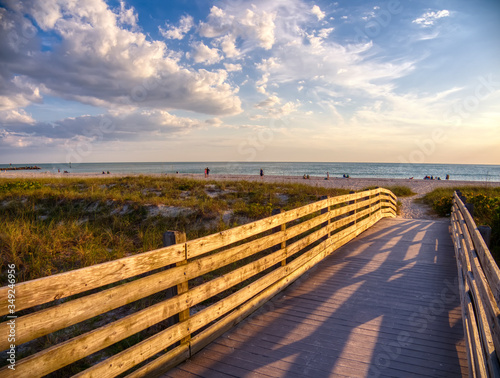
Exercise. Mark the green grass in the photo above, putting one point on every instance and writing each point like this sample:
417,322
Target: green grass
56,225
486,201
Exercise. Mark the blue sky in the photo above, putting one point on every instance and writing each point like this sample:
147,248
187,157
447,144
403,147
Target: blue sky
287,80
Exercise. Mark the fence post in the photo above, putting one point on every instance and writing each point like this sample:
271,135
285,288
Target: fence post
323,211
352,203
485,232
282,245
171,238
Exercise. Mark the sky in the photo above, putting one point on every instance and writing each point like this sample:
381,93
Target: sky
283,80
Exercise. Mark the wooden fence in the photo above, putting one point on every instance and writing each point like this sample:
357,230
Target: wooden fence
96,313
479,285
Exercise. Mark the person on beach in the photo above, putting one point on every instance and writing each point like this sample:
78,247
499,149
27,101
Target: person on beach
261,173
327,176
206,172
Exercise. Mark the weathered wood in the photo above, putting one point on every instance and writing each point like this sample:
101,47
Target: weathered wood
484,327
488,313
158,366
485,232
169,238
489,265
133,355
465,320
477,351
209,243
180,270
481,308
42,290
292,335
297,267
52,319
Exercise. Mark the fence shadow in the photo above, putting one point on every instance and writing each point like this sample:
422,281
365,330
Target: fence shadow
387,303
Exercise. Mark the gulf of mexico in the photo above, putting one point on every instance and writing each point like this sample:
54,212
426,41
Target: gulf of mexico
475,172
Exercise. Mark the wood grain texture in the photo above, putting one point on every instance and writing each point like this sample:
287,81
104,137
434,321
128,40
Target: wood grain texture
384,304
186,261
47,289
479,304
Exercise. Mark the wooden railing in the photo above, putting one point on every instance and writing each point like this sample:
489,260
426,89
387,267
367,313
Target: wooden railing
479,285
248,265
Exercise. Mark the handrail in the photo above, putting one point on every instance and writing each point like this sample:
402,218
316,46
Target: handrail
257,260
479,285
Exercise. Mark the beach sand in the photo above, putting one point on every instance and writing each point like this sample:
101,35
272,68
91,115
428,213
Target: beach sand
410,209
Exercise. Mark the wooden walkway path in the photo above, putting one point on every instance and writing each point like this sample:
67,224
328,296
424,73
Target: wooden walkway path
386,304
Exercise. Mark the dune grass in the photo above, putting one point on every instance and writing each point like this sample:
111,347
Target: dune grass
56,225
486,201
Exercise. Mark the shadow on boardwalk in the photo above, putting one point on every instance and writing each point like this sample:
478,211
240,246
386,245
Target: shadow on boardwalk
386,304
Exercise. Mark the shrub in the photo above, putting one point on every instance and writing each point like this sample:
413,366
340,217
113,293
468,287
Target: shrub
443,206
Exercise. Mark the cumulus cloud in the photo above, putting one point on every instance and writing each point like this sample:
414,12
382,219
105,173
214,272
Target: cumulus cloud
317,12
270,101
228,45
178,32
232,67
252,24
429,18
204,54
97,61
139,125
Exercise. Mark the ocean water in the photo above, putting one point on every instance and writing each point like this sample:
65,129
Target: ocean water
472,172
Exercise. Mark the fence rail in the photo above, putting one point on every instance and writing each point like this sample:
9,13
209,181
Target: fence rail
479,284
220,279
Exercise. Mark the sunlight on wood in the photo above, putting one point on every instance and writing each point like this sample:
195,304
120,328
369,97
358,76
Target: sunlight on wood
352,346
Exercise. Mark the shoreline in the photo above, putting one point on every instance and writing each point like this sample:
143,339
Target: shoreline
419,186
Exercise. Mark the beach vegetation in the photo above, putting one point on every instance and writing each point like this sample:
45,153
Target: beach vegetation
486,201
52,225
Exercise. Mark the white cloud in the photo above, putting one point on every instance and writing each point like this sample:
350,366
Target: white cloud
317,12
232,67
324,33
204,54
96,61
267,65
217,23
253,25
228,45
261,85
428,19
15,116
260,26
138,125
127,16
268,102
185,24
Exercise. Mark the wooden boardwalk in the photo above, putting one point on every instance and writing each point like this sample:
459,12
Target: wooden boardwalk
386,304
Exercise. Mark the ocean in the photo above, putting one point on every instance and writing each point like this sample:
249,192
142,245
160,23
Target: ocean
466,172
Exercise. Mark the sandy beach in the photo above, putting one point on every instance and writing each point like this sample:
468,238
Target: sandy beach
419,186
410,209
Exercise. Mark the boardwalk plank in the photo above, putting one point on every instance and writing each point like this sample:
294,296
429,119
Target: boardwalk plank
385,304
